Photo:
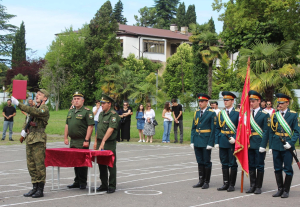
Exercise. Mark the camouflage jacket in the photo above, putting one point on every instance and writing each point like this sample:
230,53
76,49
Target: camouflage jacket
40,117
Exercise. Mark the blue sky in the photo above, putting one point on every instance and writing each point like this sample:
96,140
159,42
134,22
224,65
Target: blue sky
44,18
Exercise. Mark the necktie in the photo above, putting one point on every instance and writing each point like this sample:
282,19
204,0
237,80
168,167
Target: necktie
282,113
253,112
228,112
201,113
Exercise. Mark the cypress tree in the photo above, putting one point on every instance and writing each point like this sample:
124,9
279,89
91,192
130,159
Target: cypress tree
190,15
211,25
19,46
166,12
117,13
180,16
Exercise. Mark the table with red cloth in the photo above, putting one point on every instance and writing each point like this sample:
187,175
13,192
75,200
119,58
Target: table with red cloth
72,157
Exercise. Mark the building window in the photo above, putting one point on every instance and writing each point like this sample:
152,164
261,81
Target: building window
153,46
121,41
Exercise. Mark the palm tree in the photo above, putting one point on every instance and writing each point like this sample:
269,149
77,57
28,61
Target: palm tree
270,71
143,92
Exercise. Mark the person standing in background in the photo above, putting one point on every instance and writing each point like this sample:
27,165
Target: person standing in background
119,112
166,114
263,104
269,108
177,114
140,121
96,111
149,128
8,113
125,126
214,106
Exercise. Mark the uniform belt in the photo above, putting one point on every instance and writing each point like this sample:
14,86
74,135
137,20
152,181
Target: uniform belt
253,134
203,131
35,129
282,134
227,132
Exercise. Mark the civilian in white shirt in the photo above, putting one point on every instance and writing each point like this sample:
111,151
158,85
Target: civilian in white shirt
96,111
214,106
269,108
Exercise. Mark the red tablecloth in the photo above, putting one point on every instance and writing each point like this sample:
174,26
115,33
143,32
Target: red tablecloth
72,157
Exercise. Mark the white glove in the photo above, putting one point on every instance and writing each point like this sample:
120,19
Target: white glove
270,151
209,147
23,133
287,146
232,140
217,146
14,101
261,149
192,145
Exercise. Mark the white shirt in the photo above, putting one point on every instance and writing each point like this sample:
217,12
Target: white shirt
168,115
255,111
283,112
217,111
229,110
149,114
96,116
203,110
270,111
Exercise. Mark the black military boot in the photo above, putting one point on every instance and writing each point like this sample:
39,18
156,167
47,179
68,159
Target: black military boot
286,187
233,175
279,181
259,182
32,191
201,176
252,181
39,193
225,180
207,178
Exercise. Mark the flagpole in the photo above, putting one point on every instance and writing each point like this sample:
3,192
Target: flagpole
242,181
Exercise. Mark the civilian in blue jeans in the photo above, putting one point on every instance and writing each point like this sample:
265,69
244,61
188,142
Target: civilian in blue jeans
167,115
96,111
8,112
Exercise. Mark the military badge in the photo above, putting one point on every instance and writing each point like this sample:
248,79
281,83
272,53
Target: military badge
42,110
91,116
113,119
269,121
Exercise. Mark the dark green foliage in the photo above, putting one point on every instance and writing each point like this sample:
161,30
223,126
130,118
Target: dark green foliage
166,12
190,16
180,16
147,17
19,47
6,36
211,25
117,13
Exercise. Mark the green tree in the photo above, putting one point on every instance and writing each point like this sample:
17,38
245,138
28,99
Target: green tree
117,13
147,17
166,12
191,16
211,24
6,36
3,71
180,16
178,72
102,48
19,46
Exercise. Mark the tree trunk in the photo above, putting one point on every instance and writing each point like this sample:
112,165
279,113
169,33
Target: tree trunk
57,103
269,92
209,75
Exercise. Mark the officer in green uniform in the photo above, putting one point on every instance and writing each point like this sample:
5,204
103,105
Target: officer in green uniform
106,140
36,142
260,128
79,127
284,125
202,139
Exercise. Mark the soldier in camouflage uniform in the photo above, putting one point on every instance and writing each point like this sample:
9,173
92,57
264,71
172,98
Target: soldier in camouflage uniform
36,142
106,135
79,127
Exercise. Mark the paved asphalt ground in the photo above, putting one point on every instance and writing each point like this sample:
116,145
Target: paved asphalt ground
148,175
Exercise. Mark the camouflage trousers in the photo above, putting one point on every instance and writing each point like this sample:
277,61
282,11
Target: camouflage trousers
36,161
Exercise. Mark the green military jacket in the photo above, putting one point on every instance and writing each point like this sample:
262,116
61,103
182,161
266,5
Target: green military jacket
109,119
40,117
78,122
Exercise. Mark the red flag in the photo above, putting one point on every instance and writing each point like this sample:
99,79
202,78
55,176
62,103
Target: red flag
243,131
19,89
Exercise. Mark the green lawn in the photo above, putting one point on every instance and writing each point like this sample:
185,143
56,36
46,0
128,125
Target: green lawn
57,122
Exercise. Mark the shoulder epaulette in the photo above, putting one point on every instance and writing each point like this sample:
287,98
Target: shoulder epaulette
293,111
86,108
264,112
237,110
211,110
113,111
198,110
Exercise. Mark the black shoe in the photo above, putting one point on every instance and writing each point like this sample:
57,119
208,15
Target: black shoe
259,182
279,181
252,182
287,185
181,142
111,190
101,189
207,178
11,140
32,191
175,141
74,185
225,180
232,181
82,187
2,139
39,193
201,176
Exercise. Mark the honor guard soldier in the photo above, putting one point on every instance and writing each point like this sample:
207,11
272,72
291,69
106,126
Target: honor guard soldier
283,136
106,136
226,126
79,127
260,125
202,139
36,141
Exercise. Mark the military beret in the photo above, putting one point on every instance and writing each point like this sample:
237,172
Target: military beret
254,95
46,93
228,95
281,98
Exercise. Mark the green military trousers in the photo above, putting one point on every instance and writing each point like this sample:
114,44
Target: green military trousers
110,182
36,161
80,172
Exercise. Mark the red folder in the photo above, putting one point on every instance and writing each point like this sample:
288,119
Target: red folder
19,90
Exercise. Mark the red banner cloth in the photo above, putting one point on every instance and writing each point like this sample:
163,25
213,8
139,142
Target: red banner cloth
19,89
243,131
72,157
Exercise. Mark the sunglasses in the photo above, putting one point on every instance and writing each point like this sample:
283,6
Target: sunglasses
268,104
125,104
